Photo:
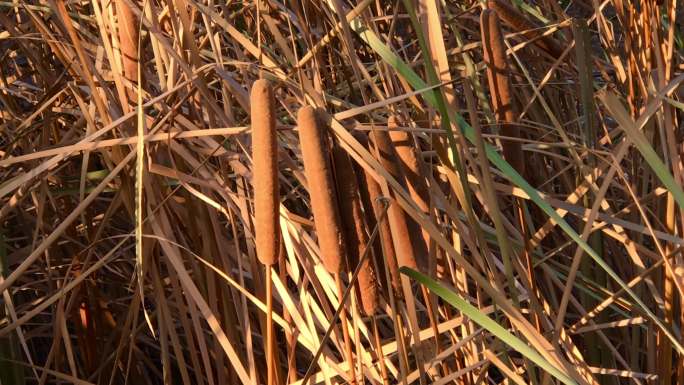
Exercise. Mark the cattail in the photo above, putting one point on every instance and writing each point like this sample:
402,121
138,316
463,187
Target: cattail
265,158
411,166
321,188
385,233
266,202
405,147
370,192
516,20
408,245
498,75
354,229
128,42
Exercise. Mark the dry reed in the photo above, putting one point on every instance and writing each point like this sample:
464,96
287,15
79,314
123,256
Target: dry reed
75,310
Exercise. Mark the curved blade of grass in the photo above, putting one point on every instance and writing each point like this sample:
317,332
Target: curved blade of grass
139,170
481,319
416,82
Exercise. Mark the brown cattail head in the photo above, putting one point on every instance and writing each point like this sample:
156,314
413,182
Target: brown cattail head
128,40
405,148
355,233
411,165
384,249
516,20
313,141
408,244
265,175
498,75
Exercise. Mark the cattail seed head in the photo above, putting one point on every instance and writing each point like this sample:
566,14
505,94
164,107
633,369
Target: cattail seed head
128,40
405,147
313,141
384,248
265,176
408,244
354,228
498,75
516,20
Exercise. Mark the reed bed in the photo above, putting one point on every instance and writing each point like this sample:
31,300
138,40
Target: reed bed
329,192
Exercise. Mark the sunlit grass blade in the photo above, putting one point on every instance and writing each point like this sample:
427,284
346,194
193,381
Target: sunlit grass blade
475,315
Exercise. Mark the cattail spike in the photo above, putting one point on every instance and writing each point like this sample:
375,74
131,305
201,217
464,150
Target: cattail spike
498,75
410,164
384,249
516,20
408,245
128,41
313,141
265,158
354,229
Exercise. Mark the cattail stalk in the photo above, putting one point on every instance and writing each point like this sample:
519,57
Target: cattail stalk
408,244
265,158
498,74
315,155
504,111
386,243
417,186
405,148
266,202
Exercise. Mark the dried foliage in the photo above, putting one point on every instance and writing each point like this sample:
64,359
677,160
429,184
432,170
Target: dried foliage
200,192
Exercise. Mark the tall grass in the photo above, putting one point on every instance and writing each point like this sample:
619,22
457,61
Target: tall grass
341,192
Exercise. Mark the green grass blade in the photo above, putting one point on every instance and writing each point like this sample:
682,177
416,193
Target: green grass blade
489,324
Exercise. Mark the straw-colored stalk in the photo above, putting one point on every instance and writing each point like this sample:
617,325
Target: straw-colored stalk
498,74
354,229
266,202
516,20
312,137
